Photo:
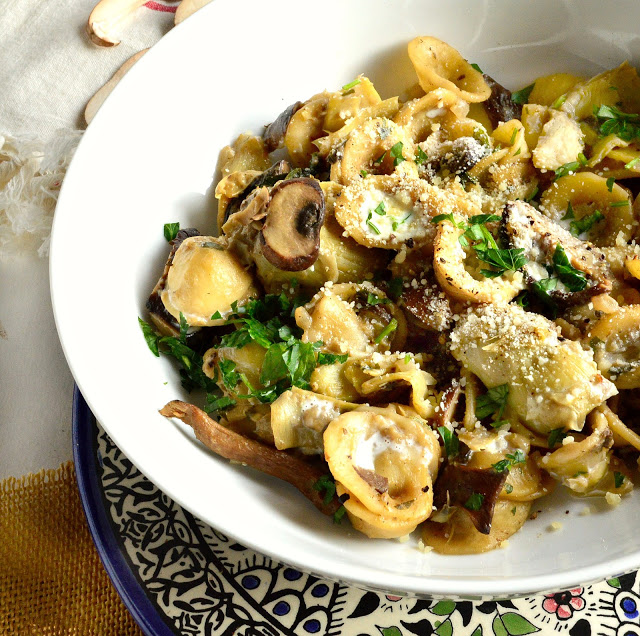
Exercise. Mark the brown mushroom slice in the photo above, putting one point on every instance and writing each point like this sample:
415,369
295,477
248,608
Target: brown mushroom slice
539,236
500,105
475,490
290,237
458,535
230,445
268,178
274,133
106,17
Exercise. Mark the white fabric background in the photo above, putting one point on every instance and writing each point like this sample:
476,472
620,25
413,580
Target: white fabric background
48,71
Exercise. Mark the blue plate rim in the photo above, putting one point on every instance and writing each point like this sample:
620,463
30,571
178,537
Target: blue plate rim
111,552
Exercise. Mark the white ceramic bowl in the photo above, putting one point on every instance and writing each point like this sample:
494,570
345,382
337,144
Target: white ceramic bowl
149,158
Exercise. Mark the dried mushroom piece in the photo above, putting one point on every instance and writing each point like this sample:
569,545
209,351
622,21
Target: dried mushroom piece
500,105
275,132
298,472
290,237
473,490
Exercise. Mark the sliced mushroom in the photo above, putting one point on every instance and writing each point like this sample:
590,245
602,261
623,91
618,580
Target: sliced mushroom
474,490
500,105
298,472
106,17
268,178
274,133
538,236
290,237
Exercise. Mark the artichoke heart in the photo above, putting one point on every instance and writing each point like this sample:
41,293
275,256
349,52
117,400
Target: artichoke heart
553,382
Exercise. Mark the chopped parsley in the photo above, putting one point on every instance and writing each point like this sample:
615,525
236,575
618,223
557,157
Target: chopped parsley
585,223
509,489
351,85
612,121
448,217
421,157
396,152
474,502
339,514
559,101
493,401
287,362
374,299
381,209
328,485
502,260
476,67
215,404
363,173
556,436
522,96
511,459
372,225
574,279
618,479
450,441
610,182
567,168
191,374
380,159
570,214
389,329
171,231
632,164
394,287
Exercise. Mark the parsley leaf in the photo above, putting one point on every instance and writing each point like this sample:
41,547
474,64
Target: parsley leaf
502,260
570,214
610,183
474,502
450,441
493,401
569,275
585,223
618,479
373,299
421,157
171,230
567,168
612,121
511,459
447,217
522,96
332,358
150,336
216,404
556,436
476,67
389,329
328,485
396,152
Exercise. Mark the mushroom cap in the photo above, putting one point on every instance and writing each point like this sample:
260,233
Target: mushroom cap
290,237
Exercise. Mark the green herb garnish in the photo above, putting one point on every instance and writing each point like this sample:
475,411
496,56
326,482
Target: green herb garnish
618,479
610,182
389,329
374,299
476,67
381,209
556,436
351,85
567,168
574,279
612,121
493,401
474,502
522,96
585,223
421,157
327,485
450,441
171,231
396,152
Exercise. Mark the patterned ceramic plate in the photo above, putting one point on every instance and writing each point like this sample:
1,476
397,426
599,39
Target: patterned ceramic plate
179,576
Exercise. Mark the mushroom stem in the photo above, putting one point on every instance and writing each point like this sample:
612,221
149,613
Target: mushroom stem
235,447
106,17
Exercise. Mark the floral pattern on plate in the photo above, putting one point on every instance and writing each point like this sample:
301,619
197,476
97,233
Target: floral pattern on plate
202,582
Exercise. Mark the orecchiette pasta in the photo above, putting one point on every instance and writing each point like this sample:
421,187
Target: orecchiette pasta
429,303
